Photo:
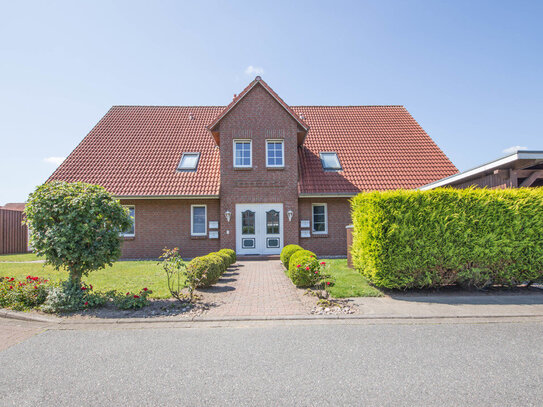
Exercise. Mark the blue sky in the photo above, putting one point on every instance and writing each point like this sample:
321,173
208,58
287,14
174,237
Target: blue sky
469,72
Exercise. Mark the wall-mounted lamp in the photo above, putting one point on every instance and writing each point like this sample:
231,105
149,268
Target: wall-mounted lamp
227,215
290,214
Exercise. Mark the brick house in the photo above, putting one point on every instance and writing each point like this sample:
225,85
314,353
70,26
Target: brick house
253,176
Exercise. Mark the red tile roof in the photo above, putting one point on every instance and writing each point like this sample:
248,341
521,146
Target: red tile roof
379,147
135,151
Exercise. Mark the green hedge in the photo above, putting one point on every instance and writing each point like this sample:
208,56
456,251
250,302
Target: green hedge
299,275
209,266
226,259
220,260
287,252
472,237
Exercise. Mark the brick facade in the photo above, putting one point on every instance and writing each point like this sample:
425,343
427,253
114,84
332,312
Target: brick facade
166,223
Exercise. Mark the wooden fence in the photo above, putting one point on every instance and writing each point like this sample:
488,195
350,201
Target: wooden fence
13,234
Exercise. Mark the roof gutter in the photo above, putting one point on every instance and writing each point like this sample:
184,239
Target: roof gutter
329,195
166,196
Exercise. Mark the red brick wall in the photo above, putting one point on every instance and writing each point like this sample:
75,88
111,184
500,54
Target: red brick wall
258,117
339,215
166,223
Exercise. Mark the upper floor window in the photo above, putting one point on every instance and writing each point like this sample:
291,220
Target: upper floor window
189,162
330,161
198,220
131,231
243,153
275,153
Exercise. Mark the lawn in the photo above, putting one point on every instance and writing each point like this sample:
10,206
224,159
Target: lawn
349,283
19,257
123,275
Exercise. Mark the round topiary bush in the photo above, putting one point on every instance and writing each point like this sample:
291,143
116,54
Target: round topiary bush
231,253
205,265
287,252
220,260
225,257
302,264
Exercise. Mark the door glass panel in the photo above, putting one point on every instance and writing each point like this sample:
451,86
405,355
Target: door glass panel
248,223
272,222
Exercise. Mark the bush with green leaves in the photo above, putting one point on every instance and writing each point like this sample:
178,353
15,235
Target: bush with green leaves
179,276
206,270
472,237
302,265
68,297
226,259
230,253
23,294
219,260
132,300
75,226
287,252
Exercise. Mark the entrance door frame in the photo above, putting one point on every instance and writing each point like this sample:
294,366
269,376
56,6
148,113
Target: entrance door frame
260,235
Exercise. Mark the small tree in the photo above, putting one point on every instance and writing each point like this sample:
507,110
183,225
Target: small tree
179,276
75,226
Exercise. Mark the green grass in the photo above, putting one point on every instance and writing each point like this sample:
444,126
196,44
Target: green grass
122,276
349,283
19,257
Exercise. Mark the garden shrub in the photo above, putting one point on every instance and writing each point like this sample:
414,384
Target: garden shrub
231,253
473,237
225,257
20,295
68,296
303,264
206,270
132,300
287,252
221,261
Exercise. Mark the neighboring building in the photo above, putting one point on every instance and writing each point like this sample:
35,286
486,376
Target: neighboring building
521,169
14,206
252,176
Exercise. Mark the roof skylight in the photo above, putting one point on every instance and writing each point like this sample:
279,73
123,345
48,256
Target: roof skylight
189,162
330,161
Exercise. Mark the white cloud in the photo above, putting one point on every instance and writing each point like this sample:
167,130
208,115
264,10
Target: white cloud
54,160
254,70
514,149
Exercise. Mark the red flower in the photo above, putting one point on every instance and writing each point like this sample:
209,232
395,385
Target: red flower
145,289
136,296
323,263
90,286
127,293
307,268
83,288
86,303
311,256
12,279
328,283
11,287
35,278
317,272
28,277
299,265
35,287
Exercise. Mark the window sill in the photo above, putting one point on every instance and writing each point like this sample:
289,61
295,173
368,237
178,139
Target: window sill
243,168
202,237
128,237
275,168
319,234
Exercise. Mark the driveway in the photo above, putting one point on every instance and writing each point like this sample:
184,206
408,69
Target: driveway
255,288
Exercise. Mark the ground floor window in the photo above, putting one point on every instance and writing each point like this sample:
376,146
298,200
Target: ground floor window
198,220
131,231
320,219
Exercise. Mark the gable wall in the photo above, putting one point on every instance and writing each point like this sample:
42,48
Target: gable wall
258,116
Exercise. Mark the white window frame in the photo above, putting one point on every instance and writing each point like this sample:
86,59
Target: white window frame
124,234
282,152
192,220
338,160
325,219
250,152
179,168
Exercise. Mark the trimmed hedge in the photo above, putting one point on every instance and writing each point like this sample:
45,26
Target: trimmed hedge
471,237
225,258
231,253
299,275
287,252
204,264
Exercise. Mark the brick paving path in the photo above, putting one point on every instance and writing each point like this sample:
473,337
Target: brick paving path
255,288
12,332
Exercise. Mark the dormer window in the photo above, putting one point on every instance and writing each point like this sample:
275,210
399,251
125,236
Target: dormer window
189,162
330,161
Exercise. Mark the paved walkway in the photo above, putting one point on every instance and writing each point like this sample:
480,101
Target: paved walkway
13,332
256,288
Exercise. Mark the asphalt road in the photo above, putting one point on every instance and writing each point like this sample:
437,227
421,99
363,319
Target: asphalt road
480,364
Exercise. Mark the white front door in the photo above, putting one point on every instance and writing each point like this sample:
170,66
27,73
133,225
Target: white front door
259,228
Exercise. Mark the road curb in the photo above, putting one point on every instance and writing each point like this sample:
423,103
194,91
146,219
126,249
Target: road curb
8,314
